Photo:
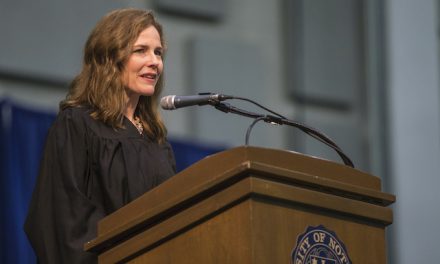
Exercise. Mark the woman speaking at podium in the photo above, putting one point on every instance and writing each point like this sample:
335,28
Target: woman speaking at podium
108,143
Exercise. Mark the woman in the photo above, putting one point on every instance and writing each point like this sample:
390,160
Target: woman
108,144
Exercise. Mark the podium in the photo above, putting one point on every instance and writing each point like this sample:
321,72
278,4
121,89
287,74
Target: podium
250,205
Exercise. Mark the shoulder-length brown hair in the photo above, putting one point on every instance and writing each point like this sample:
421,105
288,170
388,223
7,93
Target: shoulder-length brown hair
99,84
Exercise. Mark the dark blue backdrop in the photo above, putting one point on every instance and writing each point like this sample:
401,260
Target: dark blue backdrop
22,135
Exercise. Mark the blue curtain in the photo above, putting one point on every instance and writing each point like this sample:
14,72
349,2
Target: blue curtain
186,153
22,135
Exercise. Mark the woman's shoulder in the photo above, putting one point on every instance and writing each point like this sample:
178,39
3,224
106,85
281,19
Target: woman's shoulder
76,114
73,117
81,117
75,111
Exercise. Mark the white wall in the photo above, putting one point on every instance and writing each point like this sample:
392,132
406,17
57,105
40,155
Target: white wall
414,114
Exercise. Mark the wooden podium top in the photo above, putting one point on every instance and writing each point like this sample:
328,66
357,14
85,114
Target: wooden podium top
219,171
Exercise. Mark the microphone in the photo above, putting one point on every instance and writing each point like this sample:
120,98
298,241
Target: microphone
171,102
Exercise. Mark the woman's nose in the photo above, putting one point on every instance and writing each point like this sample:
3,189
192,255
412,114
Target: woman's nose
153,60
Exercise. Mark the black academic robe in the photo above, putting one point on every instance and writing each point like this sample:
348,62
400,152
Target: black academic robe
88,170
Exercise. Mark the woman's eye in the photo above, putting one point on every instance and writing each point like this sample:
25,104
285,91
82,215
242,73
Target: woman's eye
158,52
139,51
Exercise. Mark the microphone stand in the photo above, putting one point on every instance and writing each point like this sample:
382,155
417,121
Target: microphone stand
227,108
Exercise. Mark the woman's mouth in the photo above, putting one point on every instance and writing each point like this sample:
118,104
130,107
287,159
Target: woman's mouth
150,76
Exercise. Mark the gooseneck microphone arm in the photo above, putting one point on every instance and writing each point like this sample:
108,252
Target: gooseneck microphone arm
322,138
227,108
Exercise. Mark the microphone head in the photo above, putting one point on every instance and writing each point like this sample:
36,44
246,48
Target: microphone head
167,102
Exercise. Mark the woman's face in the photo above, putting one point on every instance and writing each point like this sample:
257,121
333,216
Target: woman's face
144,65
